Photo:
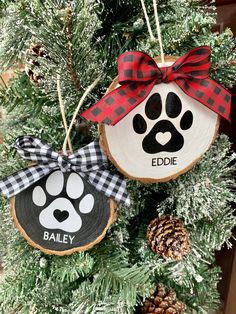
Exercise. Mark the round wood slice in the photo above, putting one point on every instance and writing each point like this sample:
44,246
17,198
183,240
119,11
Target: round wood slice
163,137
62,213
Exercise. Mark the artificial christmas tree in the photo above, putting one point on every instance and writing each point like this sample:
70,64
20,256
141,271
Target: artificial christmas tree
83,40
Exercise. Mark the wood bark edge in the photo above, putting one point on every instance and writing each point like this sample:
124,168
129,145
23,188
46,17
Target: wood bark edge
112,218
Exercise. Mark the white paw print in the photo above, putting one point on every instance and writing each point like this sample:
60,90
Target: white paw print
61,213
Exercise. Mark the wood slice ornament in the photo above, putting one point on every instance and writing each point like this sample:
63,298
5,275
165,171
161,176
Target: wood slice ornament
63,203
161,138
62,213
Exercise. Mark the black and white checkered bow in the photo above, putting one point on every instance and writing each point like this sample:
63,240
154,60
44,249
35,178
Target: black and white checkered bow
89,161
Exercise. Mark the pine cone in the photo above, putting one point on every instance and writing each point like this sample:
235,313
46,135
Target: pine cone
37,50
163,302
168,237
33,76
32,67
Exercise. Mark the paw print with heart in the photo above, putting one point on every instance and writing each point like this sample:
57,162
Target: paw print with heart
161,138
165,134
62,213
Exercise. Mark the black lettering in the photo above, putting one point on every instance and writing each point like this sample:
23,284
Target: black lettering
167,161
154,162
174,161
159,161
164,161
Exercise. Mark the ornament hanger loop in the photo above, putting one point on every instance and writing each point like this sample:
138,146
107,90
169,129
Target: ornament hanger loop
67,140
157,26
88,90
62,108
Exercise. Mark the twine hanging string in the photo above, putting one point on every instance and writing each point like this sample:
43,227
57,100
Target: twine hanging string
147,20
62,108
157,27
88,90
67,140
158,31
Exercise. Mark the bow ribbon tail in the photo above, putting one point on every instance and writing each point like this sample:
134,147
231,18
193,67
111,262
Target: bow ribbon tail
93,162
21,180
117,104
210,94
112,185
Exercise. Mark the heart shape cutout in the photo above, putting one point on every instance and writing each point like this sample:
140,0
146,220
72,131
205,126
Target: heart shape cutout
60,215
163,137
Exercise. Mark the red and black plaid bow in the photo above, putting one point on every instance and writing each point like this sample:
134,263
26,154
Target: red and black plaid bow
138,73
